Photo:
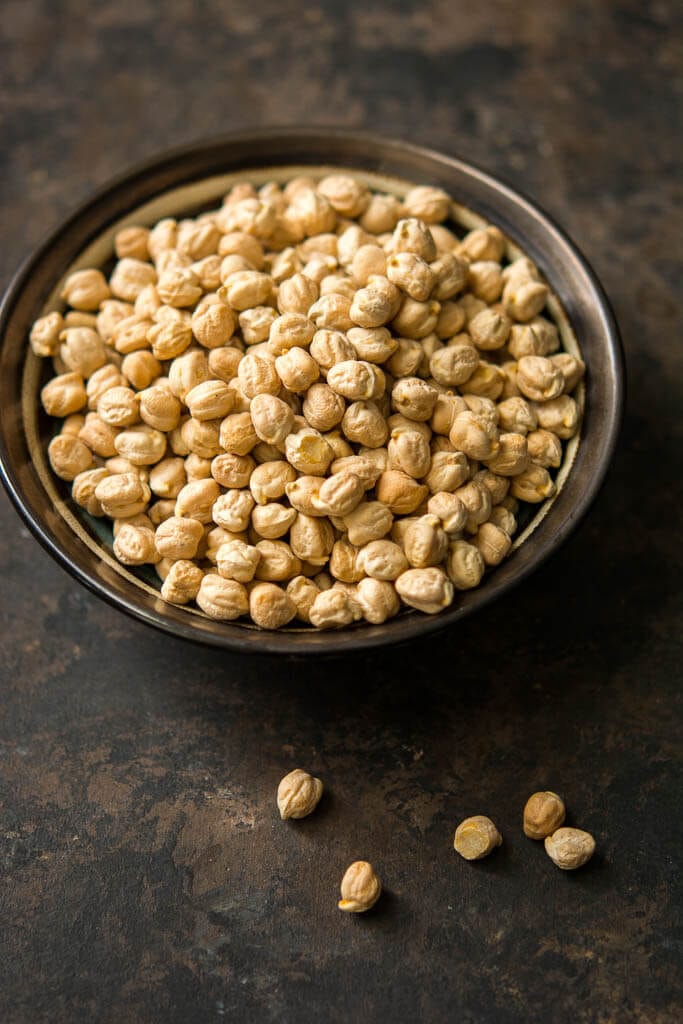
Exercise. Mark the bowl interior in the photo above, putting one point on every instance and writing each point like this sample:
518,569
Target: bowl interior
183,185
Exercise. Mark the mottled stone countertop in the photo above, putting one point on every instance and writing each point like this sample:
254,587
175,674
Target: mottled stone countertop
145,875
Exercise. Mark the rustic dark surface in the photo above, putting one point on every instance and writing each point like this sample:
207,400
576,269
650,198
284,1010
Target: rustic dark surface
145,876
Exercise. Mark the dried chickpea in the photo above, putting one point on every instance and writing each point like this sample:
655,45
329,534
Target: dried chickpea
331,609
236,560
545,448
140,369
428,590
196,500
222,599
119,407
465,565
182,582
533,485
99,436
308,451
135,546
277,562
272,521
544,812
425,542
416,319
569,848
303,593
449,510
122,495
511,456
559,415
69,456
476,837
85,289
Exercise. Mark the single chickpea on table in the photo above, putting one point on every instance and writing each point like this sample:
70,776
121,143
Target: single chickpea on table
327,405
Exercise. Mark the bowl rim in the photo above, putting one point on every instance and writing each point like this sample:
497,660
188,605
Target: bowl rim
329,642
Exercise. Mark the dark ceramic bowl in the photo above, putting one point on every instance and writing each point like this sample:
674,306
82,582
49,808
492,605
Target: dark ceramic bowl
189,180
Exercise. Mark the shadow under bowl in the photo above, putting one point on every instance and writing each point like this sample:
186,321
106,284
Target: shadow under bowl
187,181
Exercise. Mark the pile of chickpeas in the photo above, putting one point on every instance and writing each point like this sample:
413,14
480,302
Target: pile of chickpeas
317,403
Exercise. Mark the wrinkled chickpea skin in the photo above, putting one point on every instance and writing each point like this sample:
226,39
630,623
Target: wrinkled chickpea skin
317,404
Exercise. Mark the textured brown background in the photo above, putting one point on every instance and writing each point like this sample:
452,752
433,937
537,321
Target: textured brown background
145,876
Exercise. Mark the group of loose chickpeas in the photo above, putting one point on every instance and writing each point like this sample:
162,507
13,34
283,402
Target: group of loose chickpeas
299,793
316,403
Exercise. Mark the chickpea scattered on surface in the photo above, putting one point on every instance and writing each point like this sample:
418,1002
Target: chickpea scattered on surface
299,793
360,888
476,837
570,848
316,403
544,812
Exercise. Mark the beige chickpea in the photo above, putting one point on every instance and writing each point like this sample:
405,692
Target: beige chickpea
257,375
348,197
483,244
169,338
355,380
110,314
269,480
297,294
239,243
487,381
44,335
74,318
84,487
453,365
560,415
85,289
331,312
447,471
232,510
178,286
232,471
497,486
324,244
378,600
411,274
210,400
406,358
297,370
539,379
146,305
370,520
311,538
140,369
545,448
213,538
237,434
503,518
521,269
331,347
381,214
99,436
129,278
142,444
450,276
310,213
308,451
449,510
411,235
197,467
223,363
162,237
288,331
474,435
246,212
427,203
213,325
123,495
524,299
182,582
530,340
277,563
372,344
178,537
197,238
82,350
465,565
322,407
569,848
511,457
69,456
272,418
236,560
533,485
382,560
331,609
492,542
365,468
159,408
516,415
270,607
427,590
222,599
425,542
477,501
489,329
168,477
343,563
202,438
338,495
303,593
196,500
130,334
246,289
510,389
349,241
450,322
119,407
73,425
230,265
108,376
131,242
571,368
303,493
409,452
485,280
369,261
446,408
255,324
471,306
416,319
400,492
135,546
273,520
414,398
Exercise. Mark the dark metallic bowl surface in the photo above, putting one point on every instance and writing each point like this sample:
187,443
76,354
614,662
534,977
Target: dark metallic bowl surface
567,272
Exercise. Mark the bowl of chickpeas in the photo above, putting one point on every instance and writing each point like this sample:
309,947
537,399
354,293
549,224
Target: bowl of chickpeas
306,391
